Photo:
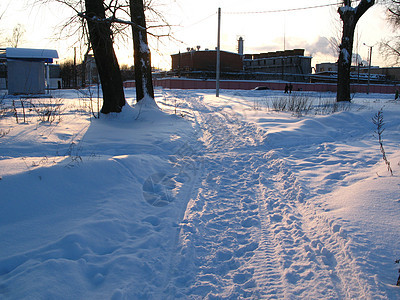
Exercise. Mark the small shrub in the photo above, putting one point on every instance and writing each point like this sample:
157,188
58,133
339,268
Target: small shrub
93,108
298,104
326,107
301,104
378,121
257,105
49,110
15,111
4,132
4,110
280,104
73,153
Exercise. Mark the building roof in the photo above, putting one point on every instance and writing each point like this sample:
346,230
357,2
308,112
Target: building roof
277,54
204,51
31,54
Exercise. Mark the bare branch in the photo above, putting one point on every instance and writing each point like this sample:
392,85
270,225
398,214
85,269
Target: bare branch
391,52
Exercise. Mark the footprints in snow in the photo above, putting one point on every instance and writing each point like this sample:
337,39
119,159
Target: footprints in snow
160,189
244,235
226,221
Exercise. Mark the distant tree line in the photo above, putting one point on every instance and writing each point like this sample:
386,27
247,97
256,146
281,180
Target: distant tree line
76,76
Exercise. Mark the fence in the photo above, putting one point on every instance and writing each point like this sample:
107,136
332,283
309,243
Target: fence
180,83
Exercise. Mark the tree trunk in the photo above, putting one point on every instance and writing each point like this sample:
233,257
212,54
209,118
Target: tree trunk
142,61
106,60
350,17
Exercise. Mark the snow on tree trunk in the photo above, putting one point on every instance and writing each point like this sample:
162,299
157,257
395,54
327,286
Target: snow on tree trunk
350,16
142,60
106,60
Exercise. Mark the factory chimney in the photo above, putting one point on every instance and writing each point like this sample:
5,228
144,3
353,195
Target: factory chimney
240,46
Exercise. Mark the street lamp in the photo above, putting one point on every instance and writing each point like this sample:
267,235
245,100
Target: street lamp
369,65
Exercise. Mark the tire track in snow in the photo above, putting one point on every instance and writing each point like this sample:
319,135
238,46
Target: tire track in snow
220,233
245,232
222,236
226,246
304,273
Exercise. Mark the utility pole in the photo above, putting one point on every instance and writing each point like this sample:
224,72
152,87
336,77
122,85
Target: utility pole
218,69
369,67
75,77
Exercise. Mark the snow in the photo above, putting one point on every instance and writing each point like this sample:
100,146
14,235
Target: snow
346,56
206,197
144,47
31,53
347,8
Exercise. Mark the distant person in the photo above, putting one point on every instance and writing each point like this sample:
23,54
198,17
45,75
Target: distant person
290,88
396,96
286,88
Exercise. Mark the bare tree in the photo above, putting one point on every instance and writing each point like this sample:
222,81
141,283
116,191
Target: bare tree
390,48
336,32
100,36
94,31
394,12
117,17
17,36
349,16
142,60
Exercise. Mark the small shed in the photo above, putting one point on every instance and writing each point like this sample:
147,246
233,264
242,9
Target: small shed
26,69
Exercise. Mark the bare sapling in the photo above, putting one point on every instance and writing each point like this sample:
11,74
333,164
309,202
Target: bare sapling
48,111
378,121
89,108
23,110
15,111
4,110
96,114
398,279
296,103
4,132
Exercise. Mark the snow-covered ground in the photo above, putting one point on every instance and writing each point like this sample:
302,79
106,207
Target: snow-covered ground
210,198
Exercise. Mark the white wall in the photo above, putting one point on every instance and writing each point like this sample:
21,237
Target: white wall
25,77
3,84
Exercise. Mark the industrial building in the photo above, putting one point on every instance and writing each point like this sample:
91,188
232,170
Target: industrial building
391,74
289,65
326,67
204,61
327,72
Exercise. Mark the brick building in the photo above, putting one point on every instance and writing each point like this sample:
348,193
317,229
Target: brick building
206,61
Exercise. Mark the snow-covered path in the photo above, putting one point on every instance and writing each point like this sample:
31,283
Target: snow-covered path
247,230
233,201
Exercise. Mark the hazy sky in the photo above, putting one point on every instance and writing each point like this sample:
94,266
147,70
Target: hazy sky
195,23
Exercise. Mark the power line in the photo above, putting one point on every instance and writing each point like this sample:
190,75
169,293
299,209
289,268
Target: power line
280,10
339,2
200,21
